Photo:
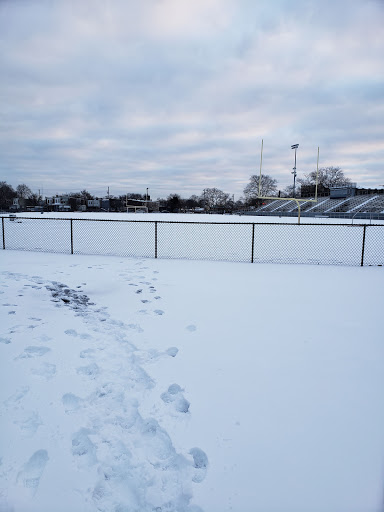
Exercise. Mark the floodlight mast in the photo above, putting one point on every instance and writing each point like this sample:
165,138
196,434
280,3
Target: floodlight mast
294,146
261,163
291,198
317,172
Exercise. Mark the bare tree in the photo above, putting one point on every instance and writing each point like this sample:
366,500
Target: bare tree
193,202
133,195
288,191
23,191
214,198
328,177
84,194
267,184
174,202
7,193
35,200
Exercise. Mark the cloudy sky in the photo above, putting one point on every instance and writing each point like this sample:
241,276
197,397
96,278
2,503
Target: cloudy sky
177,95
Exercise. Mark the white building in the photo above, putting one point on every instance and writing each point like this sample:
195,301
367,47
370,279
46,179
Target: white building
58,203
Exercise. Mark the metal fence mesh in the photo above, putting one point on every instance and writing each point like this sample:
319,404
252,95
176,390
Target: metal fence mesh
205,241
114,238
325,244
43,235
374,246
310,244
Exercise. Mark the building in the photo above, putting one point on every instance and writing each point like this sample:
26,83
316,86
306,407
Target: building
93,204
18,204
58,203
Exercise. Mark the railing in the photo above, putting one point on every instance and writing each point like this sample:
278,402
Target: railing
320,244
311,214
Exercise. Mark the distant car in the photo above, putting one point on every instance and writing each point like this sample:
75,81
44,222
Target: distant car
164,211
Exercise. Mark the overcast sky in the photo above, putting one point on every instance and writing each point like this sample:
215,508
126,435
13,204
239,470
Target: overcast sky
177,95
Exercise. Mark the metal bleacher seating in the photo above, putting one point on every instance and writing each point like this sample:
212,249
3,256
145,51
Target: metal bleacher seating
368,203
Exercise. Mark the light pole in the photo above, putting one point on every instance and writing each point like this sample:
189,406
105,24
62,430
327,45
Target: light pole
294,146
147,196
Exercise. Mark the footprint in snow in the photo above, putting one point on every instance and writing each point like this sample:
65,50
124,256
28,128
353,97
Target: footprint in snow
159,312
71,402
30,474
175,396
15,399
91,371
191,328
200,463
158,444
172,351
83,448
135,327
28,422
45,370
88,353
33,352
71,332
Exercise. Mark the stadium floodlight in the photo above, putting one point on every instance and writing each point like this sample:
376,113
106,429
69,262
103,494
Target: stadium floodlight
294,146
297,201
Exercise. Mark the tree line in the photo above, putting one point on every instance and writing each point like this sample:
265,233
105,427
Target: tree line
212,199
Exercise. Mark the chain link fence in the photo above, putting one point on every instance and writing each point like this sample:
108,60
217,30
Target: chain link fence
319,244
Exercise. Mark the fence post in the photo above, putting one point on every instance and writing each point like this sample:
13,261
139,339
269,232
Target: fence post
2,222
253,241
363,248
155,239
71,221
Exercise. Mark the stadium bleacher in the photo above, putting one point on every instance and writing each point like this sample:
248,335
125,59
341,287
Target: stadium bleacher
366,204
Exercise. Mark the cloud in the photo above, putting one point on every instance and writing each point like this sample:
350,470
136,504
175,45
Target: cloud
177,96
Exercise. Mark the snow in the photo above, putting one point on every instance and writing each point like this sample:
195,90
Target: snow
191,217
131,384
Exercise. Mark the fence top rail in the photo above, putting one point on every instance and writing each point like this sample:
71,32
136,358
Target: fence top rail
195,222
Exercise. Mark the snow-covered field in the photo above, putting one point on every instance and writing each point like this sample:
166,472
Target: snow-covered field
166,385
190,217
210,237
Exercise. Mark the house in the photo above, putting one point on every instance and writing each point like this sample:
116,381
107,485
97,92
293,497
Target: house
93,204
18,204
58,203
